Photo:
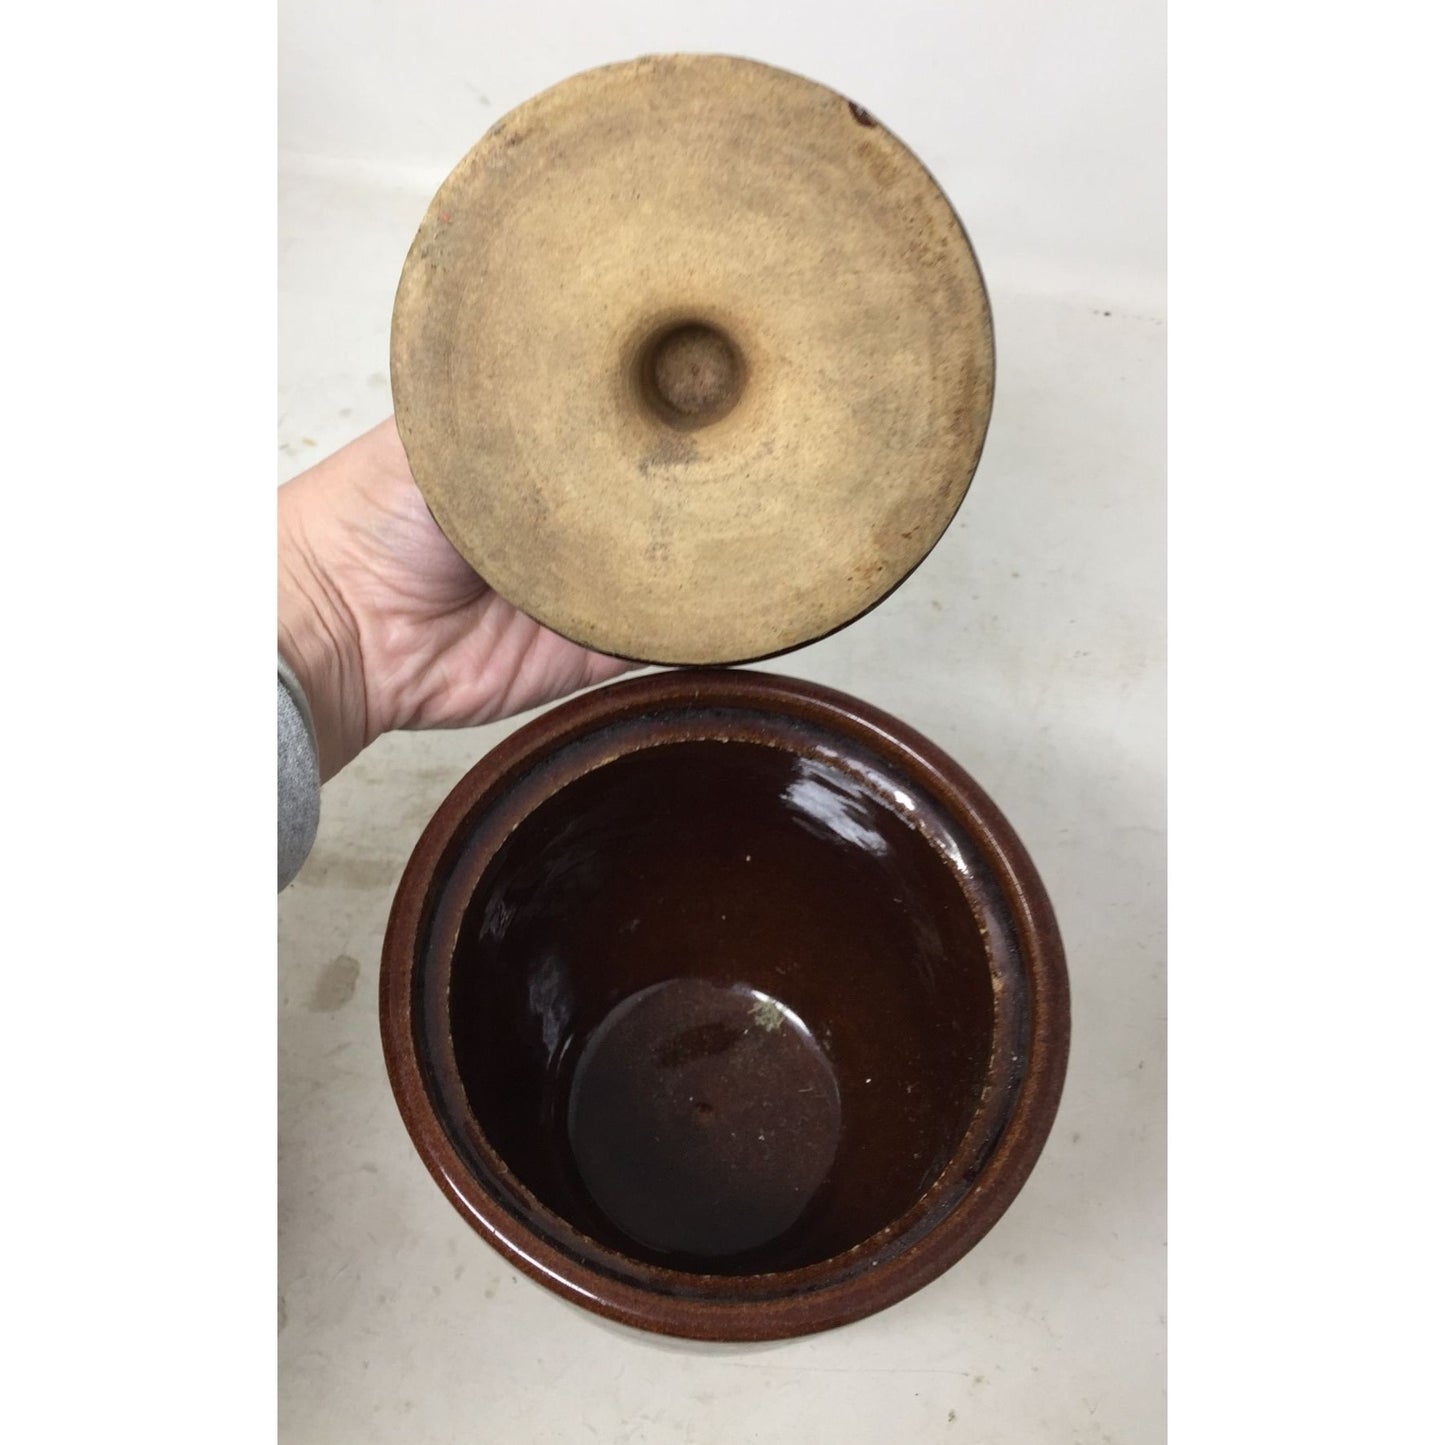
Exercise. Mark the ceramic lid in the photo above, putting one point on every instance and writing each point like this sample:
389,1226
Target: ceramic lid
692,360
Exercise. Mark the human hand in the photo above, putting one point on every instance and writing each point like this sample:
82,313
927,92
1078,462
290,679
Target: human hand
384,624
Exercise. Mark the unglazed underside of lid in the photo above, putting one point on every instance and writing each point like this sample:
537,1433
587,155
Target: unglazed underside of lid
692,359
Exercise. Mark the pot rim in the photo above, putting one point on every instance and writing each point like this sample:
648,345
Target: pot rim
835,1291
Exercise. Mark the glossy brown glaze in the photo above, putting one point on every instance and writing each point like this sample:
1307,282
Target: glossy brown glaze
725,1006
720,1006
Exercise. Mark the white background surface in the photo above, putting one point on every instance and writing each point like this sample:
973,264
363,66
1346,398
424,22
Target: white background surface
1029,645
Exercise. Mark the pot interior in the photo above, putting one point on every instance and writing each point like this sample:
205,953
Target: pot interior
723,1006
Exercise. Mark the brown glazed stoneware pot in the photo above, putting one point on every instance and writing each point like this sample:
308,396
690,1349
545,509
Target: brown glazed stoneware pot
724,1005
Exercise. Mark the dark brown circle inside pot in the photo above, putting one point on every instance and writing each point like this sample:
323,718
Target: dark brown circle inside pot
723,1005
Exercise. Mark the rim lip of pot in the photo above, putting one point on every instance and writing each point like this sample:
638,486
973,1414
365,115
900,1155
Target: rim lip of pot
838,1291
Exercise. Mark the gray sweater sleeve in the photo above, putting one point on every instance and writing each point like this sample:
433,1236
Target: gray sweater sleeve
298,777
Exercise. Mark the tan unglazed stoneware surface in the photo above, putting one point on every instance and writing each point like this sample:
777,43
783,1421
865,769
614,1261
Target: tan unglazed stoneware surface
692,359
